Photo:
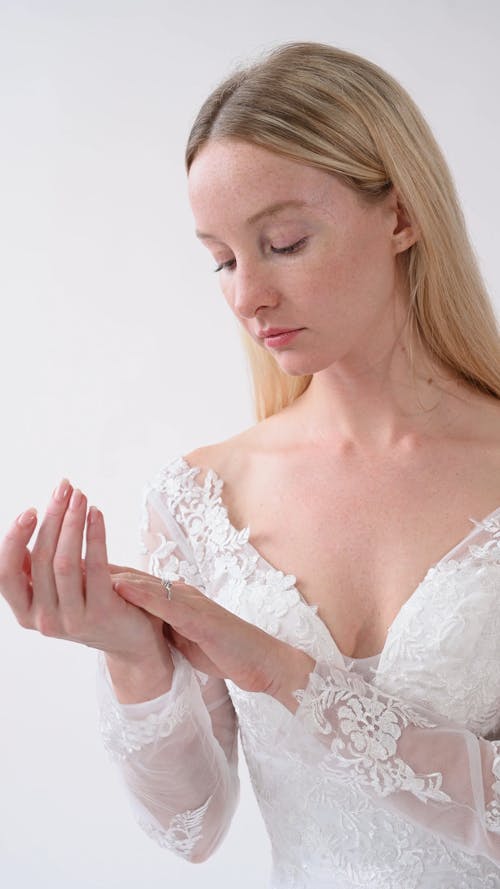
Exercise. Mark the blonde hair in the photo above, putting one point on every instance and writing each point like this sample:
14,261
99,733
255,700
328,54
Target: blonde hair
337,111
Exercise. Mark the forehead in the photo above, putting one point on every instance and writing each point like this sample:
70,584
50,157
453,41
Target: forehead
233,158
230,175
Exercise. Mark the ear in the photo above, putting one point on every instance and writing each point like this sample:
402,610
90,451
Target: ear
405,232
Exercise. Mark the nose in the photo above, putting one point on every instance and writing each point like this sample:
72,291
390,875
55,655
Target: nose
250,288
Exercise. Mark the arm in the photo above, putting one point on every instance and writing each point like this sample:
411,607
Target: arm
421,766
177,753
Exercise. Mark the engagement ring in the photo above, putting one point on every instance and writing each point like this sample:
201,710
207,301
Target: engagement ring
167,586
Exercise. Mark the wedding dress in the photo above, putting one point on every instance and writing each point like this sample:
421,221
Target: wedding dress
387,776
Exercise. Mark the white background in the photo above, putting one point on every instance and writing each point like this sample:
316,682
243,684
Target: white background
118,352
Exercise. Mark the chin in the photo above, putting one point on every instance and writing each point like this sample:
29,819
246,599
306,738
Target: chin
297,365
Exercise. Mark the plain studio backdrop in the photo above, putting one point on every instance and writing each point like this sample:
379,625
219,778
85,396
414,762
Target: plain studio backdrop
119,352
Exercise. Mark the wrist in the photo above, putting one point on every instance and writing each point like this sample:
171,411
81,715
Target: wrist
140,679
294,675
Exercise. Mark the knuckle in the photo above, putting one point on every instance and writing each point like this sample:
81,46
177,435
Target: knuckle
48,625
41,555
95,562
25,621
72,625
72,520
63,565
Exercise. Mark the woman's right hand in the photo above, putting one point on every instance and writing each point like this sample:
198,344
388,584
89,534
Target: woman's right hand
48,591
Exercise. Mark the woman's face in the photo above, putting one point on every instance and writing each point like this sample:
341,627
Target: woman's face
328,266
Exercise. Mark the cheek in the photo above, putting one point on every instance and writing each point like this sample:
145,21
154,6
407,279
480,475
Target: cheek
328,281
356,272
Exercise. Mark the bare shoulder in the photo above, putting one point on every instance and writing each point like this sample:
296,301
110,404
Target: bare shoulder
227,458
279,440
247,463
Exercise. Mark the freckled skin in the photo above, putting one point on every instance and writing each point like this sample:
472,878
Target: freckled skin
373,448
342,286
345,286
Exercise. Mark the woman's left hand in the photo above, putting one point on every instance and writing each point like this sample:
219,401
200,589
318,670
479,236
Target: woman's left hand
213,639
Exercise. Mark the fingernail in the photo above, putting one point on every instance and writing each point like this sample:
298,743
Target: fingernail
76,499
61,491
27,517
93,515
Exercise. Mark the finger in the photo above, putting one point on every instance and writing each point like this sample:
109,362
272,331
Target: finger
45,600
97,575
148,595
181,615
15,583
67,568
119,569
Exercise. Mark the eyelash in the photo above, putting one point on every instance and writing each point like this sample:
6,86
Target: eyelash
293,248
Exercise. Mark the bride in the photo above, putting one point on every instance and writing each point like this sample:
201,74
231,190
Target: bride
313,582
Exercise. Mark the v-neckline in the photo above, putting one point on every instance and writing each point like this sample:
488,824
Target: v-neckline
371,659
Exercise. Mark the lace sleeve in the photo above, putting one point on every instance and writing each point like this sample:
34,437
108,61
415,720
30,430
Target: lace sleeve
177,754
423,767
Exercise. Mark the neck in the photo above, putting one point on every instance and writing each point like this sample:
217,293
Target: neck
375,405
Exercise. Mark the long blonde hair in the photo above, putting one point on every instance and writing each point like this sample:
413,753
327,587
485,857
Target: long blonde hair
337,111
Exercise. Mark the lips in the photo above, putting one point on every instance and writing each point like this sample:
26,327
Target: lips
275,331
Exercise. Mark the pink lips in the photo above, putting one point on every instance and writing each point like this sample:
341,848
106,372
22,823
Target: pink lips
275,331
281,339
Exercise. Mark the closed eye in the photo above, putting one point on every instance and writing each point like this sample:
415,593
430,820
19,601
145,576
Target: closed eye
292,248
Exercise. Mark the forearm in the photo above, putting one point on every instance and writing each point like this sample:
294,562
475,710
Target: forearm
412,761
182,781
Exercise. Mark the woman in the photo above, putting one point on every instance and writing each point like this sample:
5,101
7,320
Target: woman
365,684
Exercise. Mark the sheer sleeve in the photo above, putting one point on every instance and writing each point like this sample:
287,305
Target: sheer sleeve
177,754
425,768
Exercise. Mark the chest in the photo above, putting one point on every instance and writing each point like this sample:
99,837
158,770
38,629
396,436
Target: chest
358,542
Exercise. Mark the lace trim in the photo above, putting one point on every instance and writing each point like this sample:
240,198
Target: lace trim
199,510
123,736
370,729
184,832
492,818
163,560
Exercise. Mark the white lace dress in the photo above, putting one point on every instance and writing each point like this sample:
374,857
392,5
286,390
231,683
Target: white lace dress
387,776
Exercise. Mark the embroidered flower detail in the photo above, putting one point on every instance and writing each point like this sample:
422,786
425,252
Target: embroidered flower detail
163,559
492,817
488,551
446,567
369,755
183,833
491,524
123,737
199,510
372,727
217,525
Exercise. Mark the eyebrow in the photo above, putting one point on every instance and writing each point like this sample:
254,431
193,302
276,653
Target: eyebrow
270,210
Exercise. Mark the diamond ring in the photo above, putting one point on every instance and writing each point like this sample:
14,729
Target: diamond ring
167,586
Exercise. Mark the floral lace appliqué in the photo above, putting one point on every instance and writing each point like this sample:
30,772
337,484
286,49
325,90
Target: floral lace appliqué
493,808
122,736
369,729
183,833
